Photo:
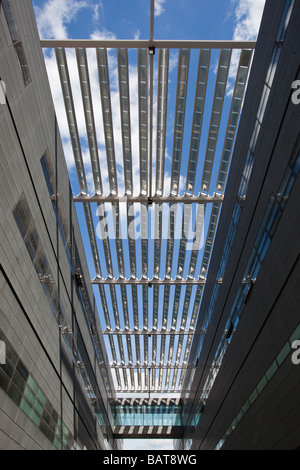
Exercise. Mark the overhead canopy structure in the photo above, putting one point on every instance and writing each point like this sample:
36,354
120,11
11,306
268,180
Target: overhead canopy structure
152,170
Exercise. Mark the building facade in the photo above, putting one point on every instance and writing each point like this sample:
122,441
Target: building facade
244,391
55,381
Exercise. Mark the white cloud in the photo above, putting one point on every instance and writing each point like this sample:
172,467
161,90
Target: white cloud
96,15
55,15
248,14
137,34
102,34
158,7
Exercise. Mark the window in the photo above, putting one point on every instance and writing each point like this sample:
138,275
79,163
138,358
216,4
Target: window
16,39
280,358
289,5
23,389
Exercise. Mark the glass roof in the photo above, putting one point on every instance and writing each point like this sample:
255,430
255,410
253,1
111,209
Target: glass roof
160,122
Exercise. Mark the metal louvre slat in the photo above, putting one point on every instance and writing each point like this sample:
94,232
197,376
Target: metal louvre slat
89,117
144,238
217,108
197,239
177,359
157,241
104,237
182,79
118,239
107,118
205,261
185,358
162,102
125,117
155,309
237,99
162,353
145,307
92,237
71,116
186,220
210,237
143,118
169,259
203,68
169,362
131,238
154,354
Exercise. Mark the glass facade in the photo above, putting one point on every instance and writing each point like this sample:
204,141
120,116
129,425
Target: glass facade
148,413
19,384
71,251
267,230
16,39
64,321
283,354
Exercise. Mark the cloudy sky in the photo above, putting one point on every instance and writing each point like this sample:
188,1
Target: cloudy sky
174,19
119,19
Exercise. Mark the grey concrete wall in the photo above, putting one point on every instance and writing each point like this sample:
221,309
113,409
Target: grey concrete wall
27,130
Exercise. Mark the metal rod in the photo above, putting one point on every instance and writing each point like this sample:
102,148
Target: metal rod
152,21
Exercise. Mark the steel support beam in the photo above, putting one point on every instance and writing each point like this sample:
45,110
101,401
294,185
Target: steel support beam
146,432
144,366
157,43
154,332
147,392
200,199
149,282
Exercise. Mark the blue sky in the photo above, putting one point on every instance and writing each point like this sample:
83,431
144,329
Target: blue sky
185,19
119,19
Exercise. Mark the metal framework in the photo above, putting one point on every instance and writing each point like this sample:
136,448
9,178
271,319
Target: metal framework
151,192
